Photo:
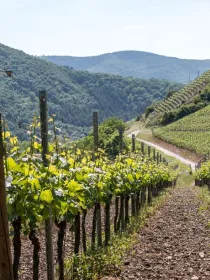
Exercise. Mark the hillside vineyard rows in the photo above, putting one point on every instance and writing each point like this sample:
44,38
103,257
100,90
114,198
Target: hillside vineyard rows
178,104
191,132
184,95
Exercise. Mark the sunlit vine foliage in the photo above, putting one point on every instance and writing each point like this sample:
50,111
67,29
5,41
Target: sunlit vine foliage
74,180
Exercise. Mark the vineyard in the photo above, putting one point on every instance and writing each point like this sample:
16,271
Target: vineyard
104,159
73,188
177,99
191,132
202,175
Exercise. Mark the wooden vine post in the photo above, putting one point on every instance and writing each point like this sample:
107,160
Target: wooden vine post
95,130
157,158
133,204
127,198
98,205
116,228
133,143
154,157
84,238
121,139
6,271
107,225
149,151
142,148
48,222
77,233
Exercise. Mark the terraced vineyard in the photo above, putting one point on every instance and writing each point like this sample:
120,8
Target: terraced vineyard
177,99
191,132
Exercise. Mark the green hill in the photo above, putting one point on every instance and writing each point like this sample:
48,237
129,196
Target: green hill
73,95
191,132
137,64
176,105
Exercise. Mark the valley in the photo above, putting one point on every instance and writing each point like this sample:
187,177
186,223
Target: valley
73,95
115,206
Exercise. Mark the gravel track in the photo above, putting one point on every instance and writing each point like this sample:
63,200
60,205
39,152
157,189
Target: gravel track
166,151
175,243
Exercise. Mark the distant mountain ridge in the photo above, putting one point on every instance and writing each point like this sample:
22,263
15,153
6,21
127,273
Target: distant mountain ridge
137,64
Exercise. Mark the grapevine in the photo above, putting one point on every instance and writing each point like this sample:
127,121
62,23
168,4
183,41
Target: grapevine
74,182
191,132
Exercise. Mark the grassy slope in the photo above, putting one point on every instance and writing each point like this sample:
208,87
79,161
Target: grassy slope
137,64
191,132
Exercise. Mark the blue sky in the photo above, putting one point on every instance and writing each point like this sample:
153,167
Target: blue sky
89,27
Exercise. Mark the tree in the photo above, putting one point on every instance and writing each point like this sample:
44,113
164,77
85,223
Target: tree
109,136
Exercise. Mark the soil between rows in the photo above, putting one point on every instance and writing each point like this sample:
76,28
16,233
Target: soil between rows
26,259
175,243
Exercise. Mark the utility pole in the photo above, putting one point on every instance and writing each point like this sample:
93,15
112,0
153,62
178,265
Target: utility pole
48,222
6,271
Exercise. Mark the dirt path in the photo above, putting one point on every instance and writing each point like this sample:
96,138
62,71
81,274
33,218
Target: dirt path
175,244
167,152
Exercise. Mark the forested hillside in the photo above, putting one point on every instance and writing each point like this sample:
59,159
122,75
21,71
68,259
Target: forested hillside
137,64
73,95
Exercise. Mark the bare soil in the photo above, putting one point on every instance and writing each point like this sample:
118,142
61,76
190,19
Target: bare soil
26,260
175,243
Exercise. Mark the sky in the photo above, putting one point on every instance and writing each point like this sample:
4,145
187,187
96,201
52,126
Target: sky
91,27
